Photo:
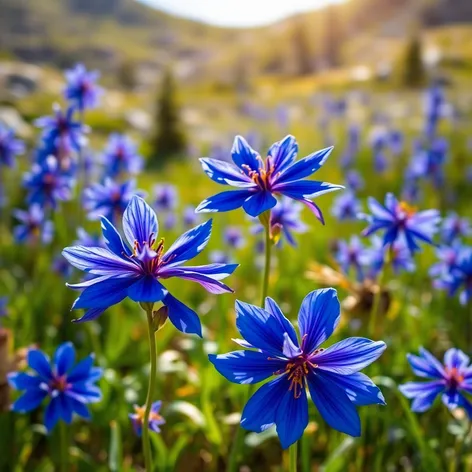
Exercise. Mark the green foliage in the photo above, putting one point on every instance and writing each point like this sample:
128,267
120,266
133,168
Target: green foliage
168,140
413,70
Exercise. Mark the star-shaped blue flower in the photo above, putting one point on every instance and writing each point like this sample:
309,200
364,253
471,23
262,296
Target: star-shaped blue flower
260,179
137,270
70,387
331,375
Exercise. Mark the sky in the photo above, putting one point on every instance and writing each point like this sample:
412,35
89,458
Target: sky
237,13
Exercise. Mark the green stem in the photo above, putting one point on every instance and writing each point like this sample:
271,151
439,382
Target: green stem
239,439
378,296
151,388
268,251
64,464
293,457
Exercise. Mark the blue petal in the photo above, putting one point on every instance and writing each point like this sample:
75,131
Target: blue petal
259,202
456,359
104,294
246,367
306,166
85,392
291,417
209,282
147,289
64,358
358,387
426,391
305,189
287,327
39,362
225,173
224,201
23,381
51,415
113,239
318,317
64,407
349,356
99,261
30,400
81,371
283,153
290,349
189,245
379,211
259,328
90,315
243,154
79,408
426,365
139,221
334,405
182,317
259,412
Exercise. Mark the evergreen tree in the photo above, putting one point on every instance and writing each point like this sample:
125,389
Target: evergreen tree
413,71
301,50
168,140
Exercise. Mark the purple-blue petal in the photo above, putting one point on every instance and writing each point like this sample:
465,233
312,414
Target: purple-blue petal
182,317
283,153
64,358
39,362
243,154
306,166
334,405
30,400
147,289
189,245
113,239
225,173
291,417
349,355
246,367
259,202
259,328
259,412
287,327
224,201
139,221
318,317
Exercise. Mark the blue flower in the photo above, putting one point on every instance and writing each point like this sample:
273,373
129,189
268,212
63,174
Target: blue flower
428,162
166,197
378,142
233,237
121,156
109,198
47,184
401,221
10,147
3,307
396,141
453,227
452,381
61,267
137,273
351,254
70,387
81,90
155,419
332,375
448,257
398,255
62,131
459,277
434,100
260,179
346,206
34,227
354,180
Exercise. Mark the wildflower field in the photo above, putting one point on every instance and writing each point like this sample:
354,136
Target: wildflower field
345,224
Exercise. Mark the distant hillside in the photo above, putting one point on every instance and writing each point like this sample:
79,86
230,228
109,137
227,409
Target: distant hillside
106,33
